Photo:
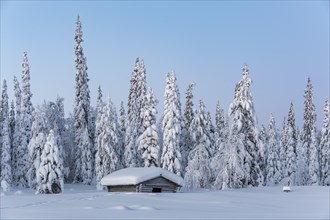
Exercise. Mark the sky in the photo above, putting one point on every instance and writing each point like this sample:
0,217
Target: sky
206,42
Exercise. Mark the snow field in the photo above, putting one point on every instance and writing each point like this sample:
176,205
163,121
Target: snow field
84,202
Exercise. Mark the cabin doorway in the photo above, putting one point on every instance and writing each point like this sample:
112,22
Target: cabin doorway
156,190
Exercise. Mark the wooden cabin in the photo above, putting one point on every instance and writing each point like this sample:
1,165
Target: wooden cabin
142,179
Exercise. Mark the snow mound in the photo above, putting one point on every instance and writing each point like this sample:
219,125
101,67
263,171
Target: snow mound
120,207
133,208
18,192
136,175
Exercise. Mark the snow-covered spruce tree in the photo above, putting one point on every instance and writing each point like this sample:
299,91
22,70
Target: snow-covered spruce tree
36,145
282,146
17,131
227,164
172,119
54,112
314,165
160,136
50,172
148,141
210,129
309,140
198,171
122,133
68,149
99,126
243,121
221,131
53,115
25,125
108,143
11,132
263,145
309,117
304,141
302,168
273,163
325,146
188,115
290,149
6,170
83,143
134,121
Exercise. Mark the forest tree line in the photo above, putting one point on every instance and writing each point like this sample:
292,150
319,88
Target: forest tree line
42,149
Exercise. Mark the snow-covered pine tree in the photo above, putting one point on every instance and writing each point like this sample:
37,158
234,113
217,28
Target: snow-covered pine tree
6,170
36,145
188,115
83,143
290,161
25,124
325,146
134,121
198,171
17,132
273,163
50,172
107,144
148,141
172,119
243,121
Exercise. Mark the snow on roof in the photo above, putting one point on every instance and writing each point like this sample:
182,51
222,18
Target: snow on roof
137,175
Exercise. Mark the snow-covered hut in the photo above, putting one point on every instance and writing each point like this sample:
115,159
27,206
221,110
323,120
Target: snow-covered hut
142,179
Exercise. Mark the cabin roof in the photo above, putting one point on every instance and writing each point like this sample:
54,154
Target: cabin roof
137,175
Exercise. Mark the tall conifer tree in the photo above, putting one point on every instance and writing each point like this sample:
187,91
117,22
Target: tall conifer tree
325,146
188,115
83,143
134,120
148,141
309,136
290,148
243,121
25,125
273,168
36,145
171,156
5,142
198,172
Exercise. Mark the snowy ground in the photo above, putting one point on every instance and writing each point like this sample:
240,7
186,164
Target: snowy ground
84,202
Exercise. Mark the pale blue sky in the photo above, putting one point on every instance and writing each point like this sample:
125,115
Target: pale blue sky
283,42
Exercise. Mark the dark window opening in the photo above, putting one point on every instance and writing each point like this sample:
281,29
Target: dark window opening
156,190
